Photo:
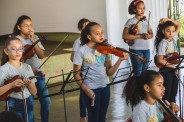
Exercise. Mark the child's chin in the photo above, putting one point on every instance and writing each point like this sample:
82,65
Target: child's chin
160,97
100,41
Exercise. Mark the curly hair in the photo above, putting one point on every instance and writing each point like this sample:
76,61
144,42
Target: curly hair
160,35
134,88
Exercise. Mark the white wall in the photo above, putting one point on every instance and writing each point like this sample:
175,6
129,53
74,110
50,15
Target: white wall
51,15
117,15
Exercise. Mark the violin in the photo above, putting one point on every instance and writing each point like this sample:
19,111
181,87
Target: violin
133,30
173,117
106,48
16,89
109,49
29,50
170,58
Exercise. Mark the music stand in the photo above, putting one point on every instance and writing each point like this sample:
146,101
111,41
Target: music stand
181,58
66,81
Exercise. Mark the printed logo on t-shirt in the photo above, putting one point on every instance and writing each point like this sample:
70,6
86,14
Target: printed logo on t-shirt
153,118
98,60
142,28
170,50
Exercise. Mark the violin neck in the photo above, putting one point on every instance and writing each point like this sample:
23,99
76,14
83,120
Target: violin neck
132,28
172,115
36,76
30,48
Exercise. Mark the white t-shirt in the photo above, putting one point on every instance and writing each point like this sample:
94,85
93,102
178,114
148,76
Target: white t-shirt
166,47
96,76
144,112
139,44
77,44
7,72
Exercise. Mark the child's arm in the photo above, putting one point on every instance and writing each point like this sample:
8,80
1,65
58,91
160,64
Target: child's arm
127,36
72,55
163,62
80,81
112,69
149,35
31,86
5,88
178,24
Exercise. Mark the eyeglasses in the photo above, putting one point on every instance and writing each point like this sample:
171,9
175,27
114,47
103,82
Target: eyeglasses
15,50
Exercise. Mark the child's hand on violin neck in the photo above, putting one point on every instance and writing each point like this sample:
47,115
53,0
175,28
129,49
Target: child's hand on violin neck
17,83
126,56
27,81
173,106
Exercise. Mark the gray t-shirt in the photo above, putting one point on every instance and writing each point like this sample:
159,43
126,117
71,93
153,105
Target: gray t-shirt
144,112
96,76
166,47
34,62
139,44
7,71
77,44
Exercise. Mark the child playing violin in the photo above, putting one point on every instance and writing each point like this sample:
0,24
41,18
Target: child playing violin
95,83
10,67
166,43
139,40
23,29
143,93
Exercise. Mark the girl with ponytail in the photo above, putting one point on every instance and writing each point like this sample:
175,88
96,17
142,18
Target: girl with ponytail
142,93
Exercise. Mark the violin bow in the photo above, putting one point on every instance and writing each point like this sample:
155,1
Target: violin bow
53,51
148,21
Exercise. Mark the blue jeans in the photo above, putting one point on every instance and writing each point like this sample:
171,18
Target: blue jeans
170,84
17,106
45,102
97,113
82,104
137,65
